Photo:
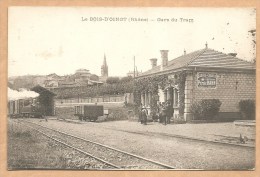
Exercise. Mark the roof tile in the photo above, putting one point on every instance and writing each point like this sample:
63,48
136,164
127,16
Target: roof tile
203,58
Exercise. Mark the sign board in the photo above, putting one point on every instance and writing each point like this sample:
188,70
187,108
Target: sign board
207,80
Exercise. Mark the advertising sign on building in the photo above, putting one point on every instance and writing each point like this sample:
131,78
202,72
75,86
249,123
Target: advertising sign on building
207,80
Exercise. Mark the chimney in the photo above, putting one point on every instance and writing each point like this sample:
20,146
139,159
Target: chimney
233,54
164,56
153,62
184,53
206,45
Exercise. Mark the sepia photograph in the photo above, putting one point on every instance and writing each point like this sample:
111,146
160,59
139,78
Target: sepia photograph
131,88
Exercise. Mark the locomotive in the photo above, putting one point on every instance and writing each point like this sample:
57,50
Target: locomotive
40,106
24,108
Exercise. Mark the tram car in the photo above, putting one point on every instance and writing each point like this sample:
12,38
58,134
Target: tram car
88,112
24,108
40,106
14,108
31,111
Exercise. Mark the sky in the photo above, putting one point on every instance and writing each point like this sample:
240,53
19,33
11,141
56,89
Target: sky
45,40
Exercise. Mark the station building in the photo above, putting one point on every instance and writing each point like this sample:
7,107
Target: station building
209,74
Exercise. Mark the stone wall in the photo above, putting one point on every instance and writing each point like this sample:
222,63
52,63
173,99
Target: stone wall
188,91
108,98
230,89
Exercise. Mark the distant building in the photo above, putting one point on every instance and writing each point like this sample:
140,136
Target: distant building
104,70
39,80
132,73
82,77
82,73
51,84
52,80
53,76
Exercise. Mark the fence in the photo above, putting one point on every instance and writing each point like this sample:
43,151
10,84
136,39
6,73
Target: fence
128,98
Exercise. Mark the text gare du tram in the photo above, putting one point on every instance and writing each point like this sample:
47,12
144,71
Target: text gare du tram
135,19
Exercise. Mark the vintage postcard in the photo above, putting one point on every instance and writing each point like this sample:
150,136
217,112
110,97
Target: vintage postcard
127,88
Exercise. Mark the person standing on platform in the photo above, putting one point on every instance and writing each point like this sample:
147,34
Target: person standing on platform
140,113
164,113
169,112
158,113
144,116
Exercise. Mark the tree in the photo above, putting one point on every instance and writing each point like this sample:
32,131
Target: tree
94,77
112,80
23,82
126,79
253,35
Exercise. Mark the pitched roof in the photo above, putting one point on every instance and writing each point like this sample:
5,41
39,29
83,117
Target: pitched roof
215,59
203,58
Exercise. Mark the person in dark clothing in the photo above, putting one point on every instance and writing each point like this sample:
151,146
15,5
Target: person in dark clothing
164,113
140,113
159,112
139,109
141,116
144,116
169,112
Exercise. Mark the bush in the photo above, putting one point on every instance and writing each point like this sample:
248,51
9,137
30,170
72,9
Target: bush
117,114
205,109
126,79
65,112
247,109
196,110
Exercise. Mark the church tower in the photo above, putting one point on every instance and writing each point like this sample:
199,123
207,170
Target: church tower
104,68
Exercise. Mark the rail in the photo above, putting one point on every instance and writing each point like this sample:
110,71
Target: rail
112,148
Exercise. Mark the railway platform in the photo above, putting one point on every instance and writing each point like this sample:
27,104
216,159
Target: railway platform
182,146
227,133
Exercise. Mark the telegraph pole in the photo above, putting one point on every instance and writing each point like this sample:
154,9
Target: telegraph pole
134,83
134,67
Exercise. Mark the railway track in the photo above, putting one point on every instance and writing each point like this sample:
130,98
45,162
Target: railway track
90,161
115,158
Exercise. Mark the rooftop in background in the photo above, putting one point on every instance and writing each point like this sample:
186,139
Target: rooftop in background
82,71
134,74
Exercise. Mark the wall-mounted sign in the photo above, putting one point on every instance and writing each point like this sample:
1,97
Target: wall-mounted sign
207,80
